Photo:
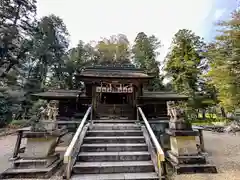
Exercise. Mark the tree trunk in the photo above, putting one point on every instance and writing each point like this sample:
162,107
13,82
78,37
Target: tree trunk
223,112
203,114
198,114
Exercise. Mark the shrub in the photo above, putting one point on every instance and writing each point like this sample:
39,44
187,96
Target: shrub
209,121
19,124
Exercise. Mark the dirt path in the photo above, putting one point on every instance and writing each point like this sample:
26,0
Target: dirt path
7,144
223,149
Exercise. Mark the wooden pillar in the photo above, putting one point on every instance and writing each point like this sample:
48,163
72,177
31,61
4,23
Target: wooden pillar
94,102
134,101
138,118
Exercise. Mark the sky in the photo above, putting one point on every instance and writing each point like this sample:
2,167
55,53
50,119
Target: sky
92,19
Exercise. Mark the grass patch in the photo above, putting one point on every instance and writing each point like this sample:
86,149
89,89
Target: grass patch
209,122
208,116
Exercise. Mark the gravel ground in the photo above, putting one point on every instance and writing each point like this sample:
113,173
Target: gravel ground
7,144
224,153
223,150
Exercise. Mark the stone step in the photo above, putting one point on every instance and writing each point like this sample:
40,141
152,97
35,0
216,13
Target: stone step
164,117
196,168
193,168
114,147
35,163
116,176
109,117
114,139
112,126
113,167
20,173
114,121
113,156
114,133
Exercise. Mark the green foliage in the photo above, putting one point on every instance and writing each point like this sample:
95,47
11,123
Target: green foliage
5,115
36,106
114,50
15,26
75,60
15,124
145,57
34,56
183,63
225,63
50,43
209,121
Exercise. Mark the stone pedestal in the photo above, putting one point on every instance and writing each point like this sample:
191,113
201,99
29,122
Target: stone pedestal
41,144
183,145
179,125
184,155
40,147
39,159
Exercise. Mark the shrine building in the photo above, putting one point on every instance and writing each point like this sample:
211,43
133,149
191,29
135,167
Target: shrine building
112,90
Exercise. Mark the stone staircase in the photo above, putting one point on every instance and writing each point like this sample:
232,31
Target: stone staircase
114,150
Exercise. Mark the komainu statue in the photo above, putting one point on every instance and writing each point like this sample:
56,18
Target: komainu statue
176,113
46,117
52,110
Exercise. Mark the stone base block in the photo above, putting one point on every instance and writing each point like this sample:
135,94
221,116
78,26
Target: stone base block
194,159
36,163
173,132
183,145
36,173
180,125
40,147
191,168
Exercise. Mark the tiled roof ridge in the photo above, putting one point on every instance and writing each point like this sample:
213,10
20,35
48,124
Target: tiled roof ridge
113,67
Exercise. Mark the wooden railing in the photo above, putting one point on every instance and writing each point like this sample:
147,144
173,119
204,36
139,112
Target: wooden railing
159,152
74,147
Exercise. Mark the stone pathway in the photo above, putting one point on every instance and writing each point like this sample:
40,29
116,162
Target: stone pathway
223,149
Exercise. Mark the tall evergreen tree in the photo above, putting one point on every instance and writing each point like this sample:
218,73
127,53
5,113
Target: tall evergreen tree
183,63
145,56
50,43
16,20
224,56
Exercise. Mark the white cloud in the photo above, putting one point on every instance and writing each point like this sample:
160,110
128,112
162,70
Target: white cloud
91,19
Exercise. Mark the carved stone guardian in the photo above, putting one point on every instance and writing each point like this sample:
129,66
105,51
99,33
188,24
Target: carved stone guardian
52,112
42,139
183,147
177,117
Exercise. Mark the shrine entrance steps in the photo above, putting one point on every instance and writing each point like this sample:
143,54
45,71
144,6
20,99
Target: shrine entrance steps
114,149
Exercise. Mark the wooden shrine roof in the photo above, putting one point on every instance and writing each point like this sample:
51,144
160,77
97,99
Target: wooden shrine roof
59,94
164,95
113,71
